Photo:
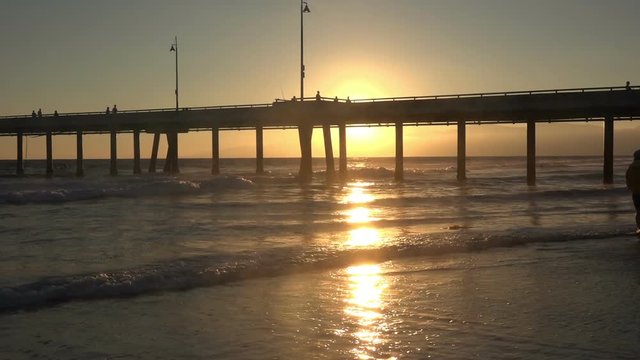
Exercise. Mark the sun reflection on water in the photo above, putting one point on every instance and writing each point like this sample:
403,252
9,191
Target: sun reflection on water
364,235
366,286
357,194
364,306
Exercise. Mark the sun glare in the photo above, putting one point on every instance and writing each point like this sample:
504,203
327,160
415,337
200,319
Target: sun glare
357,88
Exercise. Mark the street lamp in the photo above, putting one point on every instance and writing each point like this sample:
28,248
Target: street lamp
304,8
171,165
174,48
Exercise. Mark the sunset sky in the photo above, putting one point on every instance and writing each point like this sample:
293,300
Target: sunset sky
85,55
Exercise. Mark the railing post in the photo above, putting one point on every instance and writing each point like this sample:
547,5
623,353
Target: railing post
608,150
531,152
399,173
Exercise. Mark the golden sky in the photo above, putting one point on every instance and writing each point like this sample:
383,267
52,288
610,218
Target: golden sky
85,55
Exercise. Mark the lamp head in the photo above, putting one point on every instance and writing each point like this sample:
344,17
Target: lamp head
172,48
306,8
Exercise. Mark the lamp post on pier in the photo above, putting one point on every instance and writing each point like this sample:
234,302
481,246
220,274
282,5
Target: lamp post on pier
304,8
172,136
174,48
305,130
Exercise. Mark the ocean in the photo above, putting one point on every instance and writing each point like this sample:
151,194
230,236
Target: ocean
240,266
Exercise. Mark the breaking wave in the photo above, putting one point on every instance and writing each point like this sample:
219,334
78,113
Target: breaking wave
212,270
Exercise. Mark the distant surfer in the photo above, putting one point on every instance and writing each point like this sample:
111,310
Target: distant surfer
633,183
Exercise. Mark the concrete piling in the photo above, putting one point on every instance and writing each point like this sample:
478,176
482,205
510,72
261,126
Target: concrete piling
608,150
462,150
399,173
79,155
215,151
259,150
531,152
113,168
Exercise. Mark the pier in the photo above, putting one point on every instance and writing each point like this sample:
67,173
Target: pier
605,104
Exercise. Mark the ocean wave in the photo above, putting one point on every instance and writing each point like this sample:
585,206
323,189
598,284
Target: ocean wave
141,187
206,271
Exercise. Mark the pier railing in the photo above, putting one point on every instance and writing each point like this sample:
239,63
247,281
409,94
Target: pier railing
344,100
137,111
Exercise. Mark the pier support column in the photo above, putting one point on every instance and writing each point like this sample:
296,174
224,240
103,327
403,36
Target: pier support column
154,153
49,154
399,174
462,150
608,150
342,132
215,151
531,152
136,152
259,150
79,155
114,154
305,133
176,153
328,150
19,156
171,162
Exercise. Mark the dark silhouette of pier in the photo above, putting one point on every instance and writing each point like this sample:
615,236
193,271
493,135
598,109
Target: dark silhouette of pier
607,104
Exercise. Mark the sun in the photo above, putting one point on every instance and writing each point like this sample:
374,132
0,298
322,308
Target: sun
357,88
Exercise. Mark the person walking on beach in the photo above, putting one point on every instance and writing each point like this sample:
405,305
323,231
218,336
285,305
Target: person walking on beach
114,110
40,112
33,114
108,111
633,184
318,97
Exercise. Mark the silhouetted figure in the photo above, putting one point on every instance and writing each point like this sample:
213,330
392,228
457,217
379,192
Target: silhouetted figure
633,184
628,85
39,113
348,100
55,113
335,99
294,99
318,98
108,111
115,109
33,114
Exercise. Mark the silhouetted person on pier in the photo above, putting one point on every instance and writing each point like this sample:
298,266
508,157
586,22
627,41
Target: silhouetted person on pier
55,113
39,113
335,99
633,184
33,114
348,100
294,99
628,85
115,109
318,97
108,111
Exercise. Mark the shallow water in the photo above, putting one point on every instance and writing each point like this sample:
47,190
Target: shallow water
240,266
